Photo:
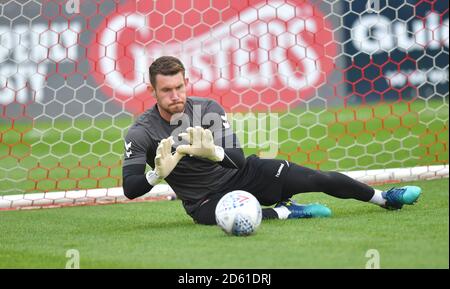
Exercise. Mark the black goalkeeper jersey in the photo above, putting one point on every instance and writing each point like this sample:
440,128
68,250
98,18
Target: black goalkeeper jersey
193,179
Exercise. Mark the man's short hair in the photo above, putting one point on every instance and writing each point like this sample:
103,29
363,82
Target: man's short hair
165,65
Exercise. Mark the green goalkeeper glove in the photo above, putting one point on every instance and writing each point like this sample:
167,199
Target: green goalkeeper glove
201,144
165,162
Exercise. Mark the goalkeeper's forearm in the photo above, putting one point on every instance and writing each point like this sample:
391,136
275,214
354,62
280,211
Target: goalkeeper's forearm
135,183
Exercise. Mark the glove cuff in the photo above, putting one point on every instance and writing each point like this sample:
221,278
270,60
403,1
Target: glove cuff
219,154
152,178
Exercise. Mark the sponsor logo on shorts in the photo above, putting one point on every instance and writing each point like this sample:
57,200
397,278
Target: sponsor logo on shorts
279,171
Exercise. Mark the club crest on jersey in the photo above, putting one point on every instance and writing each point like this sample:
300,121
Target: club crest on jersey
128,151
225,122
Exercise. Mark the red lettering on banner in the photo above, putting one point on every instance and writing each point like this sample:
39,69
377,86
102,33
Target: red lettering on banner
258,57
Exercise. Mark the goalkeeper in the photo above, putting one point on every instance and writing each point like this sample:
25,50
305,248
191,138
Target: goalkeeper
189,143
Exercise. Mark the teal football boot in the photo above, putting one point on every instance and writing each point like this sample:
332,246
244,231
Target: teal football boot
305,211
397,197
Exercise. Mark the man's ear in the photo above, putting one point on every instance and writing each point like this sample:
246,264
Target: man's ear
186,81
151,90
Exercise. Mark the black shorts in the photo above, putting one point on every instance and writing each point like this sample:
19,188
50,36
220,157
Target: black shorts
263,178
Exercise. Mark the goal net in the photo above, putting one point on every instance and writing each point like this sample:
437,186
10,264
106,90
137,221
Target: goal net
355,86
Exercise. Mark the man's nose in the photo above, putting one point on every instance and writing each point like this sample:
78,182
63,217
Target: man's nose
174,95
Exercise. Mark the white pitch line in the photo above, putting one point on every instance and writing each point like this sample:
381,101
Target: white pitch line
400,174
80,197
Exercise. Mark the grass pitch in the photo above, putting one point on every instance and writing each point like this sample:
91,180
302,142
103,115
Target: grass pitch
161,235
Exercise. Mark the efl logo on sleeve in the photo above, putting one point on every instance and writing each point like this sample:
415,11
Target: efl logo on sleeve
259,56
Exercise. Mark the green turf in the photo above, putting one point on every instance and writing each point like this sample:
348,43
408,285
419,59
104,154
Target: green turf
161,235
67,154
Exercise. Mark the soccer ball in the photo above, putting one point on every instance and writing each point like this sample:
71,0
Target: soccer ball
238,213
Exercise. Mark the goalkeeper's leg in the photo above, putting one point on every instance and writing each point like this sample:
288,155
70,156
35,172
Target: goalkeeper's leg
301,179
